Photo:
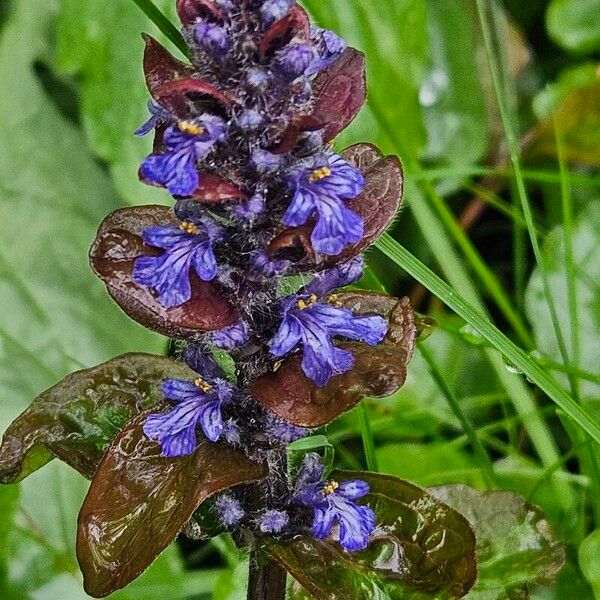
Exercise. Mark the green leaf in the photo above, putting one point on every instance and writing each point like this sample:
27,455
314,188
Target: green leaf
421,549
586,256
589,560
77,419
104,48
516,548
575,24
139,501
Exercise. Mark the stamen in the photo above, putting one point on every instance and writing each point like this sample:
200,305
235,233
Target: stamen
190,127
189,228
330,487
277,366
335,301
319,174
304,304
203,385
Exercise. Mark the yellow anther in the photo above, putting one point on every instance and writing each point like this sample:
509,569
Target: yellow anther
277,366
331,487
319,174
203,385
190,127
188,227
335,301
304,304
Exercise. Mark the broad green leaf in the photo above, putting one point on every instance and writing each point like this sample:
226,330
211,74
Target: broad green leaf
575,24
421,549
77,419
139,501
516,548
586,251
103,48
452,95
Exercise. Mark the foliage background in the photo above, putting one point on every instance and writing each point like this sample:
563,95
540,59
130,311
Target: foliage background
72,94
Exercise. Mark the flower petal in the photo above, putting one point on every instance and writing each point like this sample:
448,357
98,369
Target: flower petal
287,337
180,390
353,489
323,519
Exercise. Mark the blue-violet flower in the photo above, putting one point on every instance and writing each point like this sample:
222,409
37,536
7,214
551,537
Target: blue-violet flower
198,402
334,503
321,186
186,142
189,245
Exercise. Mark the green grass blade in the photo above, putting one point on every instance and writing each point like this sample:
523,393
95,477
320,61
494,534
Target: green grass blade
163,24
367,438
486,329
485,464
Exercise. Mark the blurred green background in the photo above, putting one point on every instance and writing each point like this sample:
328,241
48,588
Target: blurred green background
72,93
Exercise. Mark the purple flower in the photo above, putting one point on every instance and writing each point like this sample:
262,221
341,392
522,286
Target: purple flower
231,337
187,142
321,187
201,361
265,162
262,266
213,38
198,403
250,120
189,245
340,276
158,116
282,431
273,10
258,79
313,325
252,208
329,48
333,503
293,60
229,510
274,521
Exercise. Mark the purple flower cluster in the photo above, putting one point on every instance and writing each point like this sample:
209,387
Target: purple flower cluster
236,147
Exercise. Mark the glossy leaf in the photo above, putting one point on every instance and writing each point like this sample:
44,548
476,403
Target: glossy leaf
516,547
339,92
377,206
421,549
139,501
112,256
578,116
77,419
378,370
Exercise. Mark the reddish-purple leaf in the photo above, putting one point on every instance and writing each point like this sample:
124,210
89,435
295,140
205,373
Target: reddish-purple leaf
214,190
139,501
339,92
294,24
160,67
421,548
172,94
378,370
77,419
377,206
112,256
190,10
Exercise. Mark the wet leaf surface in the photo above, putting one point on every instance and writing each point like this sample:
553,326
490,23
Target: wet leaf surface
421,549
378,370
516,547
139,501
377,206
77,419
112,256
